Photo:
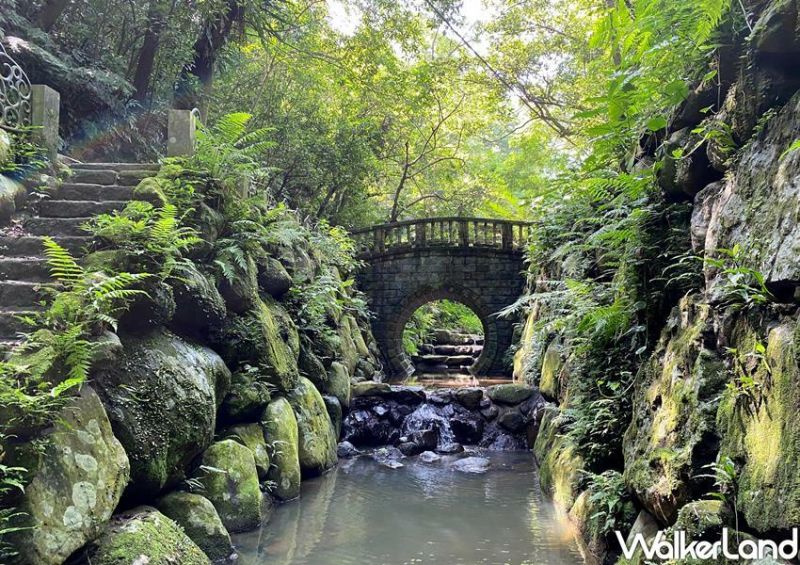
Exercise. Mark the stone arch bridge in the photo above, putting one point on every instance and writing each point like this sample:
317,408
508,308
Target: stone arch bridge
478,262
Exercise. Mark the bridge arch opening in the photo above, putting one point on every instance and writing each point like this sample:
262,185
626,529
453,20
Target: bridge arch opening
444,339
403,362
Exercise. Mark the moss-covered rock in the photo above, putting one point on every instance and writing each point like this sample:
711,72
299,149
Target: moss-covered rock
312,367
273,277
549,380
672,431
370,388
161,395
239,287
247,396
280,431
762,432
199,307
704,519
230,481
339,383
264,337
317,438
77,484
252,437
150,190
154,308
512,393
560,465
200,521
144,535
334,408
12,197
347,350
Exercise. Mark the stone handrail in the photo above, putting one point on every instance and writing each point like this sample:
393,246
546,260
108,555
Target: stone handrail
449,232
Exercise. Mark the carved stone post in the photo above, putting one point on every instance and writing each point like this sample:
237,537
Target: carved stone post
45,113
181,133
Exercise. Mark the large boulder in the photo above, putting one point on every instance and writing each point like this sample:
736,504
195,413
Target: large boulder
239,286
511,393
280,431
760,429
143,535
252,437
230,481
199,307
273,277
249,393
672,432
201,522
162,395
264,337
338,384
77,484
317,438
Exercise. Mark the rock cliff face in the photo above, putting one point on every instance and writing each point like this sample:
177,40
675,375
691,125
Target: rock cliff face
718,393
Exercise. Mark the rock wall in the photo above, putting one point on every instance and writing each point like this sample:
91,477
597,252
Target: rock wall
719,389
206,407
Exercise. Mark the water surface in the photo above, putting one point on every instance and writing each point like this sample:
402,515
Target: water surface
364,513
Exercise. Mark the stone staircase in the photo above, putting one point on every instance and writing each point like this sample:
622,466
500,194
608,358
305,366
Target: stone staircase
94,188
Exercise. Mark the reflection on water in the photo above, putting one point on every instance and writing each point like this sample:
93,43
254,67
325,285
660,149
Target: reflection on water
422,513
451,380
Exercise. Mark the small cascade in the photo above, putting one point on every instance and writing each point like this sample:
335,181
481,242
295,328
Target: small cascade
412,420
448,352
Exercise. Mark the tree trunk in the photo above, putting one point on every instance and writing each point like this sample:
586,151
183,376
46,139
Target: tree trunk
196,77
49,13
147,54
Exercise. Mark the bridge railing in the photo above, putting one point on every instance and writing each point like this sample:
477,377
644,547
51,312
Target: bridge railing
453,232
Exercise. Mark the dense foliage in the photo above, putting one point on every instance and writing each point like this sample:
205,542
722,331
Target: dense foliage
442,314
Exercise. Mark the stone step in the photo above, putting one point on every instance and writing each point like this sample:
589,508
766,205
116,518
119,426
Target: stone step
21,294
28,245
78,208
96,192
109,177
10,324
56,226
31,269
116,166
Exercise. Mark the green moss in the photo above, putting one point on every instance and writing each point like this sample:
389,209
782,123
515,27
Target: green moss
560,465
675,402
252,437
766,439
280,431
144,535
549,384
230,481
317,438
199,519
339,383
150,190
264,337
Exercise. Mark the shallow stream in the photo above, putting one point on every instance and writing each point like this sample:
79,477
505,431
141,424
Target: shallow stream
366,513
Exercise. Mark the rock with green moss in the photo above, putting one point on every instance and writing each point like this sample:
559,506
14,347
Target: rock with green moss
76,485
704,519
273,277
143,535
280,431
511,393
12,197
238,286
674,405
760,428
153,308
549,379
348,350
230,481
162,395
264,337
370,388
339,383
199,308
312,367
247,396
317,438
150,190
200,521
561,468
335,413
252,437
